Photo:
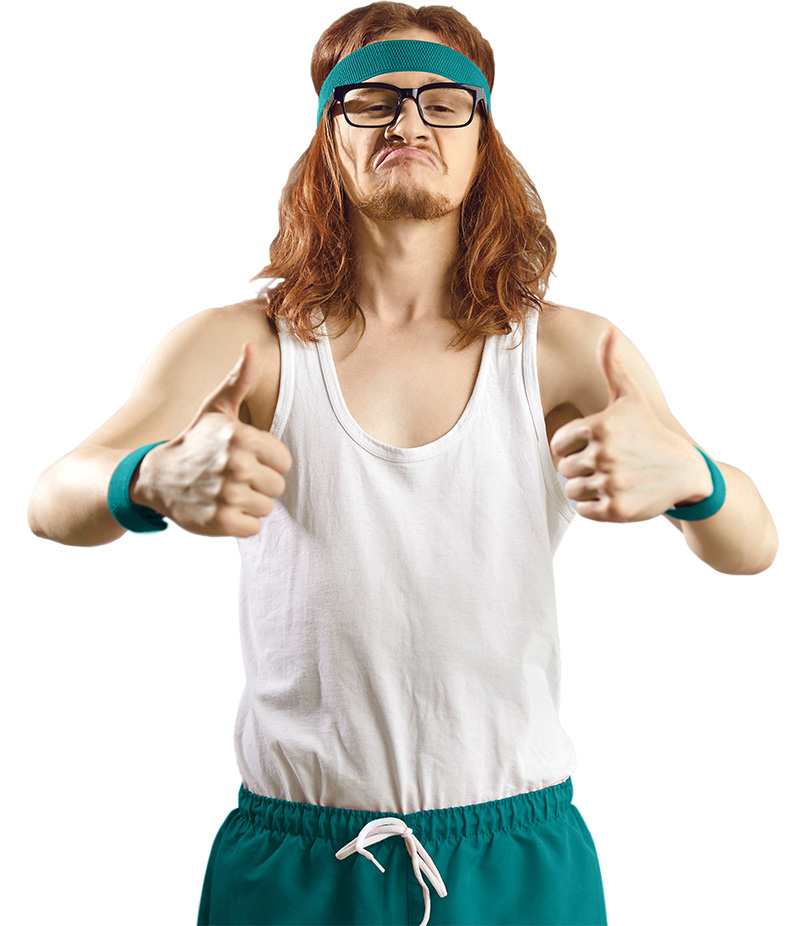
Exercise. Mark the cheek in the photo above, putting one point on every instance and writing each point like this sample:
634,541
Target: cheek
354,158
462,169
344,148
344,156
461,161
472,163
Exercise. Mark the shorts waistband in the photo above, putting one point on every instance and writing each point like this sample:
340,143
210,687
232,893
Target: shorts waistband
340,824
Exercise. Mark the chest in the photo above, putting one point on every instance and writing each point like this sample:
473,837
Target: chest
410,388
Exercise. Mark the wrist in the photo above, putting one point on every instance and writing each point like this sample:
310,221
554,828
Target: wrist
699,482
141,490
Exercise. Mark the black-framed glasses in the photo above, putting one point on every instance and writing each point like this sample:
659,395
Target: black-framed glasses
441,106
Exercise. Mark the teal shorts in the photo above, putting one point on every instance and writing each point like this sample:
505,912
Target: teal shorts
526,859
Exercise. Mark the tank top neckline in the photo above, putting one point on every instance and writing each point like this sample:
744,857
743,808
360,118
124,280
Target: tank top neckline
387,451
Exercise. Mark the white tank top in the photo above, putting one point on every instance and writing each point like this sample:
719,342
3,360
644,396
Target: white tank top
398,611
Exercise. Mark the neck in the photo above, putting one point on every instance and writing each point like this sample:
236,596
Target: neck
405,268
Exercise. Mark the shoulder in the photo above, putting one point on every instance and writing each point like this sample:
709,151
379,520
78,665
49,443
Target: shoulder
566,323
248,318
248,321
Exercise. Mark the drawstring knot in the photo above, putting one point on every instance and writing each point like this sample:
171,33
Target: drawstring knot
377,830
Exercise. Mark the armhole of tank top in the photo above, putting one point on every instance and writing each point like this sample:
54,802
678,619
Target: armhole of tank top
286,385
531,381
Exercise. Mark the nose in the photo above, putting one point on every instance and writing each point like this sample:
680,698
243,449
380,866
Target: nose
404,115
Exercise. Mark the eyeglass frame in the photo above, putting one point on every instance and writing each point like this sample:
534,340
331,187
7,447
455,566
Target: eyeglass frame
404,93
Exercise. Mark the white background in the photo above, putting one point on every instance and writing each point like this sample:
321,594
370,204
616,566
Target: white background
146,146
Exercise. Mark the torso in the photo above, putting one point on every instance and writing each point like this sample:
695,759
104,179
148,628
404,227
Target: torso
407,388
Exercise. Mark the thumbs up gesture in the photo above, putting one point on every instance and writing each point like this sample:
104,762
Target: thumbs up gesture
219,476
623,464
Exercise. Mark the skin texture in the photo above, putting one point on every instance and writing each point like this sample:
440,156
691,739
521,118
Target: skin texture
405,214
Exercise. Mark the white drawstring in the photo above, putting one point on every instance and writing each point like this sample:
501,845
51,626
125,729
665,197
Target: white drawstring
376,830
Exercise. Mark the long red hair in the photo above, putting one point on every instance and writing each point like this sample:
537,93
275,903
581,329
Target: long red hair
506,249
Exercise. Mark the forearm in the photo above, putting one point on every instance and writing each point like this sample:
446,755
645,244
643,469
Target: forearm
740,539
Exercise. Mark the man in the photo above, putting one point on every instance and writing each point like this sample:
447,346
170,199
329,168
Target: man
398,608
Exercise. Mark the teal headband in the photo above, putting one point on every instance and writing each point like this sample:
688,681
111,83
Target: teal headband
402,55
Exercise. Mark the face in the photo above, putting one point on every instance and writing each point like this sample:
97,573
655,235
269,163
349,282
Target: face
406,187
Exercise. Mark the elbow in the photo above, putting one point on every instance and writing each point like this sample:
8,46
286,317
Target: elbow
36,527
34,521
750,566
768,561
746,570
771,547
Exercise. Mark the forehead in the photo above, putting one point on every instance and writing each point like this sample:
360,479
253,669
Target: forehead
407,79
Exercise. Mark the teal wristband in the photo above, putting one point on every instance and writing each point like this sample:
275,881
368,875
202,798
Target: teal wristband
137,518
707,506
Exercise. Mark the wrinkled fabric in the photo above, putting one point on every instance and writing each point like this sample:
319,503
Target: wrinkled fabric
397,607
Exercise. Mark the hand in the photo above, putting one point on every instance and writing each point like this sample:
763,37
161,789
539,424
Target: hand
622,464
219,476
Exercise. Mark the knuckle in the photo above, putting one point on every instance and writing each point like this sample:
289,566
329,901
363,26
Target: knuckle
610,485
602,429
603,456
229,494
236,466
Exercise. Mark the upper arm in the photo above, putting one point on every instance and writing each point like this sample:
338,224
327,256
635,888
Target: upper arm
188,363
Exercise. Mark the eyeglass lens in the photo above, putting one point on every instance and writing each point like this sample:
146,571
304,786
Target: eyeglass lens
376,106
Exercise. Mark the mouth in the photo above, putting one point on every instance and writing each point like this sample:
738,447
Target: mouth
404,152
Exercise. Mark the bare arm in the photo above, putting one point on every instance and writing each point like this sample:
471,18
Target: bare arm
70,501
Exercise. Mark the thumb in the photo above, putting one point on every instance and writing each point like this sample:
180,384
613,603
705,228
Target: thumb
234,388
616,374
